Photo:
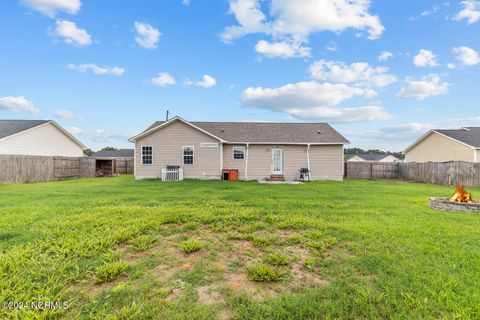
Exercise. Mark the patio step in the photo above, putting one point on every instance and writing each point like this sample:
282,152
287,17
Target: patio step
276,177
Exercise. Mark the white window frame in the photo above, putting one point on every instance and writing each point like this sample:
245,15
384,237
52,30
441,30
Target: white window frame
233,153
141,155
183,156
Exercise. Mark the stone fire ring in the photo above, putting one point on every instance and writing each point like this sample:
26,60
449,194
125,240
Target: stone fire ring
443,204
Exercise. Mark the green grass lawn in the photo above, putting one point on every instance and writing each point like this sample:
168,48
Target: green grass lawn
115,248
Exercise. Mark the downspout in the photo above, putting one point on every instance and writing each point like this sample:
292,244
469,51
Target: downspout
246,164
308,163
221,159
475,156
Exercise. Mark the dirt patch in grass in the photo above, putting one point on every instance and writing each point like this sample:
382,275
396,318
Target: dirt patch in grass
228,261
210,294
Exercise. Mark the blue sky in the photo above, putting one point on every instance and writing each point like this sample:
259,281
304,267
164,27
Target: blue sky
106,70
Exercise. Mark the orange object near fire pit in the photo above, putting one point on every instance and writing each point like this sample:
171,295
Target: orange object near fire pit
461,195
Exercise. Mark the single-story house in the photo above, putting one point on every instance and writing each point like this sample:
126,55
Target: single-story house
253,150
446,145
371,157
112,162
39,138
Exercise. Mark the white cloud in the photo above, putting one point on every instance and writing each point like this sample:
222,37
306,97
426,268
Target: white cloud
385,55
341,115
467,56
51,7
163,79
186,2
470,11
402,134
99,135
297,19
66,115
147,36
425,58
312,100
97,70
71,34
206,82
281,49
18,103
451,66
293,21
359,73
427,86
332,46
74,130
426,13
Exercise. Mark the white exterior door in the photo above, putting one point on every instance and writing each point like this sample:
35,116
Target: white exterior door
277,161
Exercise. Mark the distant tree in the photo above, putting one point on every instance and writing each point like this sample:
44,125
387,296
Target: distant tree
88,152
109,149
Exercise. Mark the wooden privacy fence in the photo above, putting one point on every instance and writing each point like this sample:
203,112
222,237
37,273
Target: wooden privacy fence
124,165
446,173
23,169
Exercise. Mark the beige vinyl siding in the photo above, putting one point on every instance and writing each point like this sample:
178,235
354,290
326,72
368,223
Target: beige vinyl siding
438,148
260,160
326,162
478,155
230,163
167,150
44,140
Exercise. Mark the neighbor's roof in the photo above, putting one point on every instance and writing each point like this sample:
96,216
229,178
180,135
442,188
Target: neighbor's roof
268,132
120,153
467,135
368,156
11,127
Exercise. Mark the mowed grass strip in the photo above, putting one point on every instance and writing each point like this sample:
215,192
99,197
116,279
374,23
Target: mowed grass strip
111,248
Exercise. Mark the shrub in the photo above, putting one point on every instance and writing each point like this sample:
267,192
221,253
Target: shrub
109,271
190,246
277,259
263,273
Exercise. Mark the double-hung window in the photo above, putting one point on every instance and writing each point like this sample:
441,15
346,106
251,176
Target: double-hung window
147,155
188,155
238,153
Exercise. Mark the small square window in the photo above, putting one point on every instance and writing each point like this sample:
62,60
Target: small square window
188,155
238,153
147,155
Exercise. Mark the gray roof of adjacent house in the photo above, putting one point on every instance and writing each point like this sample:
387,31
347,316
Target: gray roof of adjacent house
11,127
269,132
120,153
367,156
467,135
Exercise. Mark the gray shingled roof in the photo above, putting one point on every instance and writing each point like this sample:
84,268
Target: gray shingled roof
270,132
120,153
10,127
368,156
468,135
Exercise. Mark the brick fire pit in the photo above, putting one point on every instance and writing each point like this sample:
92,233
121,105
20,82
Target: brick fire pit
443,204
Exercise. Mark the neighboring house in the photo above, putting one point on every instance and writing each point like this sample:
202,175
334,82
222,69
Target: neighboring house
113,162
39,138
123,154
371,157
446,145
257,150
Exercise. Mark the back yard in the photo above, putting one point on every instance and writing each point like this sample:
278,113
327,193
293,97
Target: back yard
116,248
